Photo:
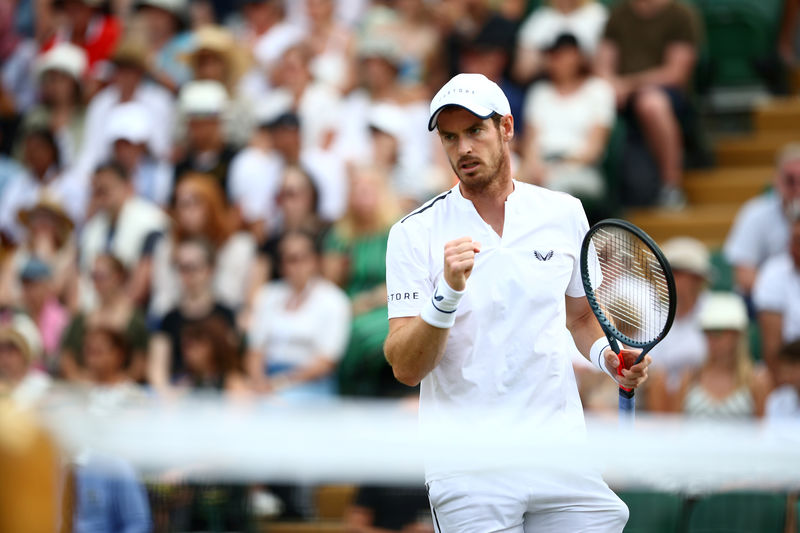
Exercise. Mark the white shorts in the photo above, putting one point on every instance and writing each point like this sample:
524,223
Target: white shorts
527,502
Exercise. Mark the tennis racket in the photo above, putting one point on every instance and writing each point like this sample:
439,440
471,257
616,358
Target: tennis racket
630,289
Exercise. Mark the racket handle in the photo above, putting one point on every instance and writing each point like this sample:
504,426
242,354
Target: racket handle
627,407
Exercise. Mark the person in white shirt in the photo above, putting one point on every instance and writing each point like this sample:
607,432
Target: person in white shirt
20,347
584,19
761,228
784,401
300,326
568,119
124,224
481,322
776,296
684,348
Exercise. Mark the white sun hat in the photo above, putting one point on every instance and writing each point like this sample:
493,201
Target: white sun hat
723,311
63,57
474,92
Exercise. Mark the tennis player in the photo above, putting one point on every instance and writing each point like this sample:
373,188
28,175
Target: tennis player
483,286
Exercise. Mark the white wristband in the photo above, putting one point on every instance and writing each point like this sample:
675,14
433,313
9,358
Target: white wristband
440,310
596,355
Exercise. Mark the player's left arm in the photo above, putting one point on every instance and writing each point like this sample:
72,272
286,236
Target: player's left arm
585,330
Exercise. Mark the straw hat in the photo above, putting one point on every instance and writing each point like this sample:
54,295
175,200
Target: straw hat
220,41
130,52
20,331
50,205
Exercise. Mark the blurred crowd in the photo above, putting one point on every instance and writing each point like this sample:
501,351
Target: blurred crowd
196,195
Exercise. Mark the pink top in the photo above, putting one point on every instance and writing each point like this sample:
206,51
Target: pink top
51,323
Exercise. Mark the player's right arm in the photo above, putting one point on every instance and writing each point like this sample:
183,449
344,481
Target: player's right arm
414,347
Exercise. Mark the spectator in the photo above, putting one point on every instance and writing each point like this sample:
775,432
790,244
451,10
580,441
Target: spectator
257,172
216,56
17,53
43,175
332,46
489,53
355,259
776,296
128,83
206,150
583,19
384,509
211,348
761,228
268,33
200,213
128,132
684,348
568,119
787,39
297,202
59,73
85,25
106,356
411,181
287,355
41,303
784,401
317,104
194,259
417,36
164,23
115,310
20,346
648,52
108,496
49,237
124,225
726,386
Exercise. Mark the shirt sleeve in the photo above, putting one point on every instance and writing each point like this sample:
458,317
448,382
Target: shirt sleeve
334,310
257,333
741,246
408,279
769,291
575,287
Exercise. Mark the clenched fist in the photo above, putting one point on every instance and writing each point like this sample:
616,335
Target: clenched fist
459,258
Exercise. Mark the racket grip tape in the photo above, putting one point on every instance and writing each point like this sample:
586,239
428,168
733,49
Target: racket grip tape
619,373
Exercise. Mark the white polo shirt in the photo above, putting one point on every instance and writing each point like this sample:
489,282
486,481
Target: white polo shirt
508,351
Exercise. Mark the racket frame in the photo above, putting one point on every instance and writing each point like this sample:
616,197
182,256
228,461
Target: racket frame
613,335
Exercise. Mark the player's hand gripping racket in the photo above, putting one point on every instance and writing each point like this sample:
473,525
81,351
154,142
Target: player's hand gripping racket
630,289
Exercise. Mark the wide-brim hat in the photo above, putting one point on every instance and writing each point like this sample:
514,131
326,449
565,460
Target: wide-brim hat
51,206
63,57
218,40
130,52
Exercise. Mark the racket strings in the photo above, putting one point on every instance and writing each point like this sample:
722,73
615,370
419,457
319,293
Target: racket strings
633,293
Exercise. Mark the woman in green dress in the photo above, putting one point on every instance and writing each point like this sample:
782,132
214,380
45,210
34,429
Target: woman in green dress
355,259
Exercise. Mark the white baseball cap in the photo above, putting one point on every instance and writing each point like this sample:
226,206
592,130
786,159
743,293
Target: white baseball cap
203,98
63,57
723,311
474,92
689,254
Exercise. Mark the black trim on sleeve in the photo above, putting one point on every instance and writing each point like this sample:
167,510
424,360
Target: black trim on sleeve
421,209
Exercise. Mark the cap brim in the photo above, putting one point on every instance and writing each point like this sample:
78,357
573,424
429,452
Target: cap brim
479,111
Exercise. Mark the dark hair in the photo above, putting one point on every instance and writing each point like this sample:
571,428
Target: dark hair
316,246
115,167
208,248
116,264
222,338
118,339
790,353
46,134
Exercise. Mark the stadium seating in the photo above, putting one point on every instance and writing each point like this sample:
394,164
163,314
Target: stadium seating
653,512
739,512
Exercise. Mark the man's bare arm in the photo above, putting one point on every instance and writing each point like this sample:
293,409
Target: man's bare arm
413,348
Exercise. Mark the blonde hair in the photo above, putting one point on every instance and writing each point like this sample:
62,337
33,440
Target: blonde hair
387,211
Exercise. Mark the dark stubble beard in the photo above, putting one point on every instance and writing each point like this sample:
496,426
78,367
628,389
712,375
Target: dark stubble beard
481,184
